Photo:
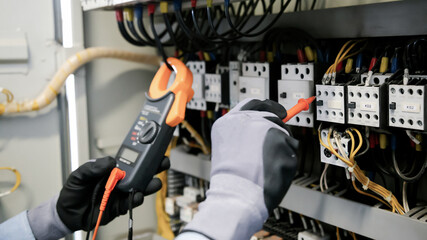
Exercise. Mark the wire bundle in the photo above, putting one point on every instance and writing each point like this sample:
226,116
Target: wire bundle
344,53
355,170
195,29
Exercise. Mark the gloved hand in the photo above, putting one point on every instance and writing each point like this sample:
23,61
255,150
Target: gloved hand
253,163
77,200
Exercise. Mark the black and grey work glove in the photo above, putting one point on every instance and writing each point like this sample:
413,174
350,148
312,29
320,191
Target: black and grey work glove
253,163
77,201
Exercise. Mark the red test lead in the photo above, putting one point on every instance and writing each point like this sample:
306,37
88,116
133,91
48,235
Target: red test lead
115,176
302,105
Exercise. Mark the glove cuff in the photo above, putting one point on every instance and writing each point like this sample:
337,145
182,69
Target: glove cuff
229,212
45,222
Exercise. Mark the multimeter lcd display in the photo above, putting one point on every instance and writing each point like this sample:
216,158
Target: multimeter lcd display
129,154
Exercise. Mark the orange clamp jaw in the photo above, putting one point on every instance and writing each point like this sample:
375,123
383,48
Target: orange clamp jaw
181,87
302,105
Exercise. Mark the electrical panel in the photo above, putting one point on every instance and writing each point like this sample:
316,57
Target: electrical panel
330,103
255,81
326,156
198,68
407,106
297,82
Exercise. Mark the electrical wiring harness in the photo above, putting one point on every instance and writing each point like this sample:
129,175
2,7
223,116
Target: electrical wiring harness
330,74
355,170
68,67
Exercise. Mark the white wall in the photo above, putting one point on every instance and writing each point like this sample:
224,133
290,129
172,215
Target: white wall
30,142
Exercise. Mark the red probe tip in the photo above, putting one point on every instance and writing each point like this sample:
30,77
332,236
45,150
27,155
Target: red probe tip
302,105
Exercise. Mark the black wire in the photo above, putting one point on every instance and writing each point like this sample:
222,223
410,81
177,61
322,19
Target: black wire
135,35
248,32
94,199
313,4
126,35
158,42
141,26
131,196
297,3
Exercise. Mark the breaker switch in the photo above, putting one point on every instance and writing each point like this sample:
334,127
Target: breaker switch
392,106
243,90
351,105
283,95
319,103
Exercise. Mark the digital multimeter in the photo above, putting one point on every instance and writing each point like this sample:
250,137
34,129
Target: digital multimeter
143,149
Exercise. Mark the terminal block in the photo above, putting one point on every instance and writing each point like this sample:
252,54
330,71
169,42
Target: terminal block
330,103
198,68
297,82
326,156
376,79
407,106
255,81
234,73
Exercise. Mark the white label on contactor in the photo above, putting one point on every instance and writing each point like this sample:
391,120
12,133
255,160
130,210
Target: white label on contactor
298,95
411,107
368,106
334,104
255,91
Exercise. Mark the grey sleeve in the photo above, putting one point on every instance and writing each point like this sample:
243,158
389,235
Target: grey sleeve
45,222
17,227
191,236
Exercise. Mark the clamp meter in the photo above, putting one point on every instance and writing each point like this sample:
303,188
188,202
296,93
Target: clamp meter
143,149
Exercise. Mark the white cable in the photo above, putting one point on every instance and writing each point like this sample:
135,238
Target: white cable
368,78
405,76
412,137
325,169
405,197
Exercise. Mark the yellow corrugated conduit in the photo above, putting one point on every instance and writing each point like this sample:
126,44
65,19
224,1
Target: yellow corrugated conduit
68,67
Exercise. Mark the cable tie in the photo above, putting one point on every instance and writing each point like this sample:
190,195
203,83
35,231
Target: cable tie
388,199
366,187
351,169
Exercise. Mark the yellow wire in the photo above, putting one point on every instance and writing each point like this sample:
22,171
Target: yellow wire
370,195
338,233
205,149
17,181
8,94
353,235
358,173
343,55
